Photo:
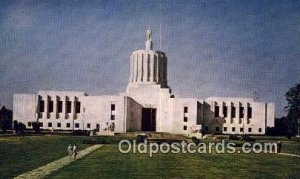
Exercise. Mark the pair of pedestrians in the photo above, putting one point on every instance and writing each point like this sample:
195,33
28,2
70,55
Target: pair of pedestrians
72,152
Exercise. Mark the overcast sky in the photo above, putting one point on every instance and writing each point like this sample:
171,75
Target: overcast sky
215,48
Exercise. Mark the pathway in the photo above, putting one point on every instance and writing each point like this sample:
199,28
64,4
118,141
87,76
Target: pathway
287,154
55,165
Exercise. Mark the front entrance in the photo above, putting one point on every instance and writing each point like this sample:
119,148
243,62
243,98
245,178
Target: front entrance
148,119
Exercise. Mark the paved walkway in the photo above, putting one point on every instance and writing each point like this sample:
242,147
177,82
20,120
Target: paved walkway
287,154
55,165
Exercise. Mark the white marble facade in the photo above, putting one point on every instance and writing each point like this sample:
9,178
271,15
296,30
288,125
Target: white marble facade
147,105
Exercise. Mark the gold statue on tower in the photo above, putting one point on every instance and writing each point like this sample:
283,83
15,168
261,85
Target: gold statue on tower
149,35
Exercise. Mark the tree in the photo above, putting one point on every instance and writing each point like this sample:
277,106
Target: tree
16,127
36,127
5,119
280,128
293,109
19,127
22,128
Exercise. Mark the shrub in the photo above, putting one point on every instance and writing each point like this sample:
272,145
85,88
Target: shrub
247,138
80,132
19,128
196,140
140,139
36,127
233,137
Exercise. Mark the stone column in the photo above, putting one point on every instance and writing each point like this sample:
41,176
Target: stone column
165,70
151,78
73,107
161,74
229,106
158,69
142,67
238,112
134,61
155,75
37,107
131,69
64,106
234,119
145,67
139,68
46,106
221,109
246,113
55,107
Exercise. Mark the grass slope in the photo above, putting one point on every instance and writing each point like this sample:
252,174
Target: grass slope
107,162
22,154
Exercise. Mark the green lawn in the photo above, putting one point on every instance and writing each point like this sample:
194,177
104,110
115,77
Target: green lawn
22,154
107,162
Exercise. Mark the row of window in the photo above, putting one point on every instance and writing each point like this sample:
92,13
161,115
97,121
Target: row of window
68,125
225,129
59,106
68,106
233,112
233,129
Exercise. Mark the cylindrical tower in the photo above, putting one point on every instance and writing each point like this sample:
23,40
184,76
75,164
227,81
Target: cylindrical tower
148,66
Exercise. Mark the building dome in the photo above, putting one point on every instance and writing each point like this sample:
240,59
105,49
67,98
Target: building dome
148,66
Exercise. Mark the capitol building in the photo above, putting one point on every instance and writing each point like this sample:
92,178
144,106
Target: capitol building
147,105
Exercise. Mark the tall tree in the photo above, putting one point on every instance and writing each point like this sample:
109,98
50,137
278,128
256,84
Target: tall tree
5,118
293,109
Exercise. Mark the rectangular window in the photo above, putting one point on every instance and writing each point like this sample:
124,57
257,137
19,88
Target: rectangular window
249,129
241,112
217,129
185,128
186,110
59,124
49,124
88,125
249,112
41,124
59,106
98,126
50,107
68,125
112,107
77,107
225,111
206,128
233,111
259,130
185,119
29,124
69,106
42,106
76,125
217,111
241,129
225,129
233,129
112,117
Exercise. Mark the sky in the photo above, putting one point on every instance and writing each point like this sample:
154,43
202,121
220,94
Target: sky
232,48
